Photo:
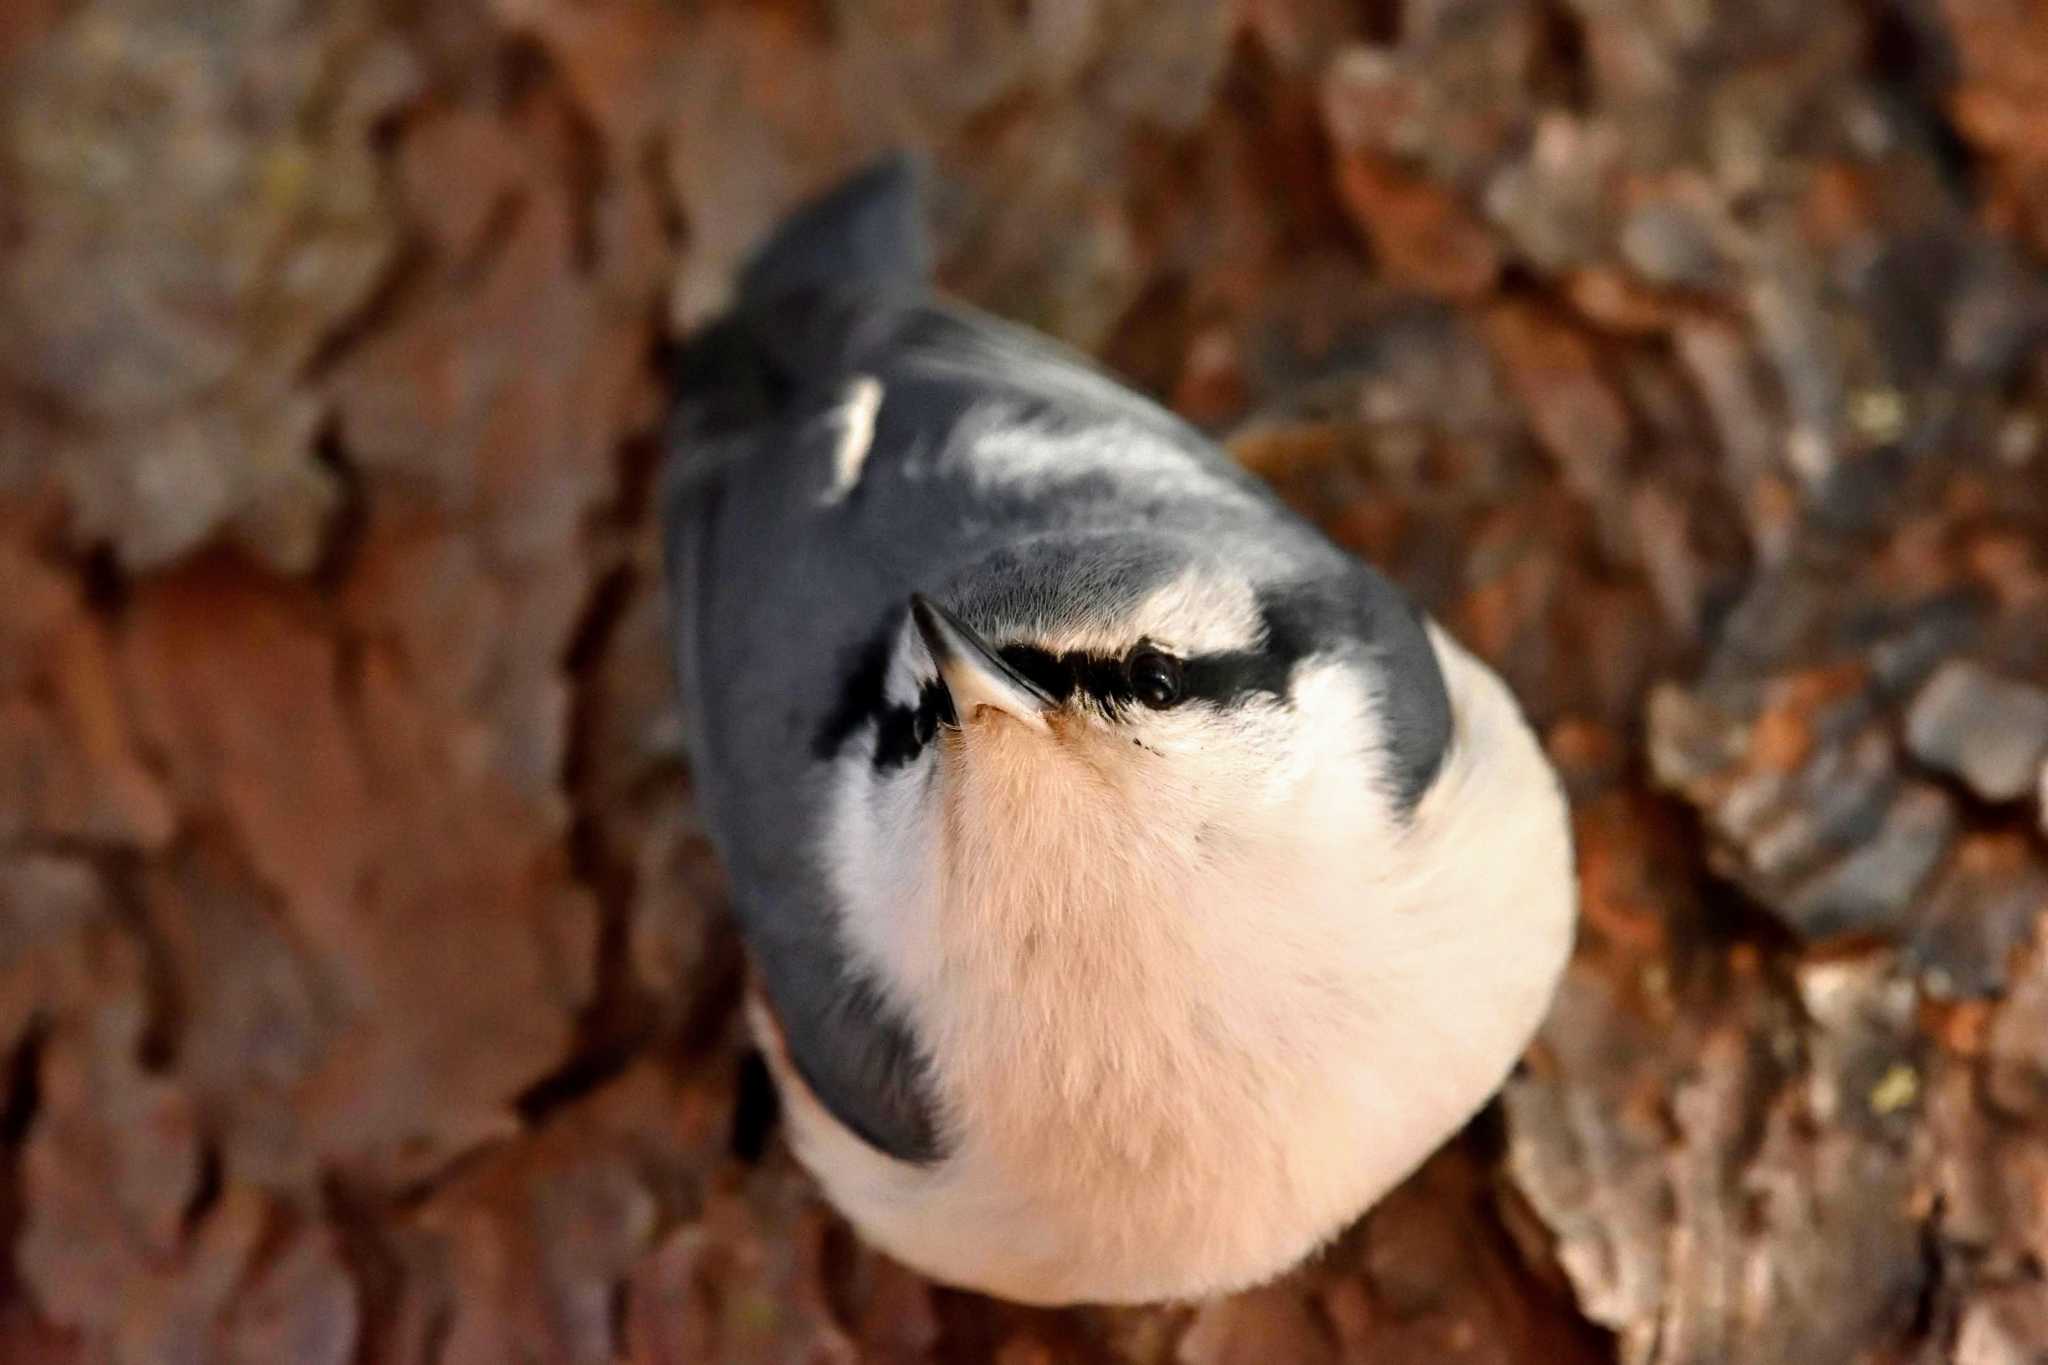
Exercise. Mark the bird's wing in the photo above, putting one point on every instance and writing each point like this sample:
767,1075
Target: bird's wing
848,1041
773,604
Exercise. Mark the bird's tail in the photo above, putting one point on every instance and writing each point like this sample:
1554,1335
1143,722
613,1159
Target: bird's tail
801,294
866,233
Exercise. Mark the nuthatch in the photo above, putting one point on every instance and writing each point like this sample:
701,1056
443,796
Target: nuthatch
1137,886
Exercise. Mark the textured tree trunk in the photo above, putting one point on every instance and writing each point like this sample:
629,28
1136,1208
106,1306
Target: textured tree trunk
364,988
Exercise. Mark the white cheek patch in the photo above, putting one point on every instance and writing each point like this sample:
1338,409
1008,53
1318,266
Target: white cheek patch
855,418
1340,729
1259,748
879,853
910,669
1211,763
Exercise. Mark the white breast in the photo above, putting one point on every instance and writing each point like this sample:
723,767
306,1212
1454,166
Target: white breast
1177,1055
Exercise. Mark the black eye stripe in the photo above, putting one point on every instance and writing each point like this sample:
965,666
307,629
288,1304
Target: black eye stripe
1237,676
1063,676
1054,673
1354,610
1223,678
902,732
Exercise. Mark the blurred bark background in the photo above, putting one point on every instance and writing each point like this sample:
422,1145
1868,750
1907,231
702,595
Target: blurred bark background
364,994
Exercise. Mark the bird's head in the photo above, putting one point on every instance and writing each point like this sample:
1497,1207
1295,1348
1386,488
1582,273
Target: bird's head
1105,728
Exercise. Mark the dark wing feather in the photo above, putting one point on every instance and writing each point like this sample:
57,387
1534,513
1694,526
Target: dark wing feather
748,391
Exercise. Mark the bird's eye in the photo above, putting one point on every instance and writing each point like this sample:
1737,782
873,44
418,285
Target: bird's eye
1155,678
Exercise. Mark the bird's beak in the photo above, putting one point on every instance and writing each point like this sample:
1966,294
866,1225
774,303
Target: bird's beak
975,675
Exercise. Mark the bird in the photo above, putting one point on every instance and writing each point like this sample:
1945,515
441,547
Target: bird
1136,886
